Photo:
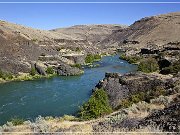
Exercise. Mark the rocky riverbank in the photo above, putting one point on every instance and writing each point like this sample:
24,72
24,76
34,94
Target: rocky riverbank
156,116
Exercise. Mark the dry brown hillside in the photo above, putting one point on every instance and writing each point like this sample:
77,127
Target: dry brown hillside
92,33
155,30
21,45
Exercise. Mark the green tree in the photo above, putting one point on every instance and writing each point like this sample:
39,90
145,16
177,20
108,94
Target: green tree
96,106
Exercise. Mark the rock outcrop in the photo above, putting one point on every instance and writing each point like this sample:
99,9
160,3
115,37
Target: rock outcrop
167,119
120,87
40,69
66,70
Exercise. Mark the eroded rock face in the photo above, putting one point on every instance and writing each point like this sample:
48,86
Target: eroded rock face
14,66
167,119
66,70
119,86
40,69
78,59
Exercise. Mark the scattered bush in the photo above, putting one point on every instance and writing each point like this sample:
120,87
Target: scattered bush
125,103
17,121
148,65
142,96
97,57
161,100
50,70
137,97
32,71
77,65
154,93
90,58
5,75
134,98
130,59
96,106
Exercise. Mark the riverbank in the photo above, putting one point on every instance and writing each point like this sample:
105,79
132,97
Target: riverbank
26,77
70,69
114,122
51,93
137,99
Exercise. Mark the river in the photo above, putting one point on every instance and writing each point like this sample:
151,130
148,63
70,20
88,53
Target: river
55,96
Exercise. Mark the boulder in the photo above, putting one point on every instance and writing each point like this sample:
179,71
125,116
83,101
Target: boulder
66,70
76,58
40,68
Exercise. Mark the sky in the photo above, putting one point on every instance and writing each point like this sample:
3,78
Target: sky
49,16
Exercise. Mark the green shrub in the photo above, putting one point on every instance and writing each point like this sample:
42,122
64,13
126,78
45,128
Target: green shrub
50,70
97,57
125,103
77,65
5,75
90,58
148,65
32,71
17,121
96,106
130,59
142,96
8,75
1,73
137,97
134,98
156,92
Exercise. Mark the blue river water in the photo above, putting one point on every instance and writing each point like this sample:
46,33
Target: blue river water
55,96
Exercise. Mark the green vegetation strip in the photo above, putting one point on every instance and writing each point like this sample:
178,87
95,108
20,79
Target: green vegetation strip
141,96
96,106
130,59
90,58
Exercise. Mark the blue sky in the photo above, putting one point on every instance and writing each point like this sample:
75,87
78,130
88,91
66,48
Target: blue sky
49,16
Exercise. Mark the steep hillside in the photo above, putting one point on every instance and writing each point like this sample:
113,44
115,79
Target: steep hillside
92,33
155,30
20,45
